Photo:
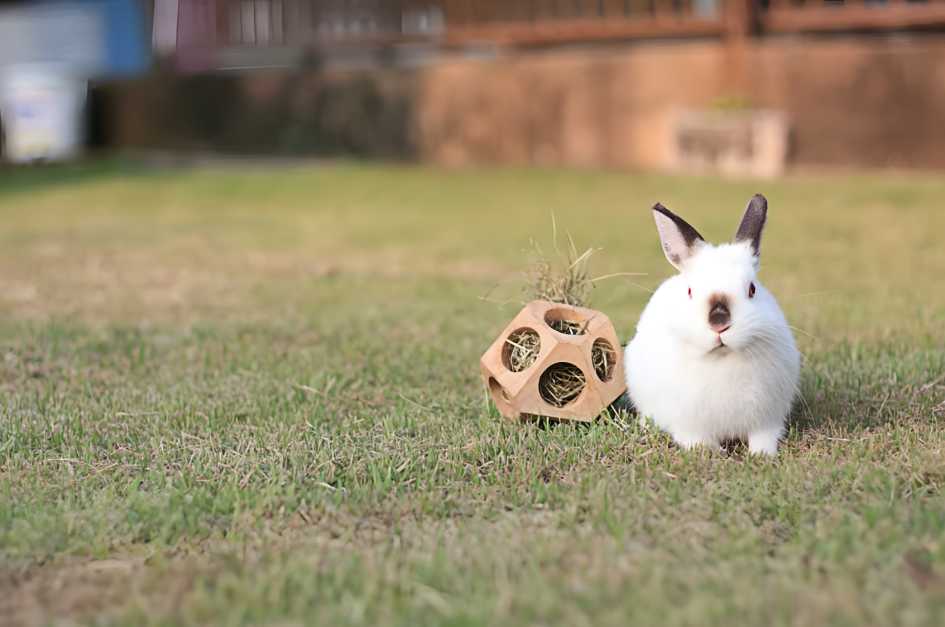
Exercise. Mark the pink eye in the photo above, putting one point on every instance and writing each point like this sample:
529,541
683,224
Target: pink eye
690,292
751,290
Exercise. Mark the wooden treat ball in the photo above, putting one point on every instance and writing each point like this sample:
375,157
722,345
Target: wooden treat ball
555,360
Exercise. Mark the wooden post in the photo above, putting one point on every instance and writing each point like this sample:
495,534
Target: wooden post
222,24
740,25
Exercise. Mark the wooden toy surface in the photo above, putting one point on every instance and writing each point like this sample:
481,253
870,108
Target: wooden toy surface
518,393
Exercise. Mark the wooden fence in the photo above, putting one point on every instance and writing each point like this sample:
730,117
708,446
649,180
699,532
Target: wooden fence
207,25
796,16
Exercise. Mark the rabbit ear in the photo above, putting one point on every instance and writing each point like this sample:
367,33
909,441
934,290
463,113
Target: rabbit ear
753,223
680,240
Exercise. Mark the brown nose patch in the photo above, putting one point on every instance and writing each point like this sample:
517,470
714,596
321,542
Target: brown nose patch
719,315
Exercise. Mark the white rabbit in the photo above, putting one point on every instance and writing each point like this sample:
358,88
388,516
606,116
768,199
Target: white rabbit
713,358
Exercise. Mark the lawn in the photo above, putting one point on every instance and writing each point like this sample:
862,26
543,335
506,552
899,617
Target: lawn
249,394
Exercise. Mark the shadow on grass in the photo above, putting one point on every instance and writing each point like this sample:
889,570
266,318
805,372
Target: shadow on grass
621,409
846,389
850,387
857,386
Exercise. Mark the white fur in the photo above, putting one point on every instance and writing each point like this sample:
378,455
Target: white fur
700,394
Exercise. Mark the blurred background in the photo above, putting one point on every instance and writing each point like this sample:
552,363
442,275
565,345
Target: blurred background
745,87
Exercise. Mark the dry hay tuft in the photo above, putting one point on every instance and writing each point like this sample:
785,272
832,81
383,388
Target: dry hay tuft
569,285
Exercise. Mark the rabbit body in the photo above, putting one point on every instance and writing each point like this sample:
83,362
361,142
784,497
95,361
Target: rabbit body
713,357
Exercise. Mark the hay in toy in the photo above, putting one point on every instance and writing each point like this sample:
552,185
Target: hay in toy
603,358
556,358
570,285
561,384
568,327
521,349
565,321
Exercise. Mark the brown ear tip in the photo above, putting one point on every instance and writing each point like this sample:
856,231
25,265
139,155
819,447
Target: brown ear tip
759,199
659,207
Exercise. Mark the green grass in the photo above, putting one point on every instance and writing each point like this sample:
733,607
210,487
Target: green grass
250,396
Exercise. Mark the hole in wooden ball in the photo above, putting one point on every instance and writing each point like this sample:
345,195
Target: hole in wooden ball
561,384
521,349
604,358
566,321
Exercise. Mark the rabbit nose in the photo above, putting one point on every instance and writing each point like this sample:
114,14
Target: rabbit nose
720,319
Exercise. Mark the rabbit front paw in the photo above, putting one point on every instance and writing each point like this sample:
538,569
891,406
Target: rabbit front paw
764,442
689,441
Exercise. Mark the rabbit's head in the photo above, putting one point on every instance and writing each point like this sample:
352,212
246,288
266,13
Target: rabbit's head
721,306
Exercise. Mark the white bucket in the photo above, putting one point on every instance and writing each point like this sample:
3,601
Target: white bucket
42,112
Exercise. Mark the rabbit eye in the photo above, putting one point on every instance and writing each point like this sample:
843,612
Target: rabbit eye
690,292
751,290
